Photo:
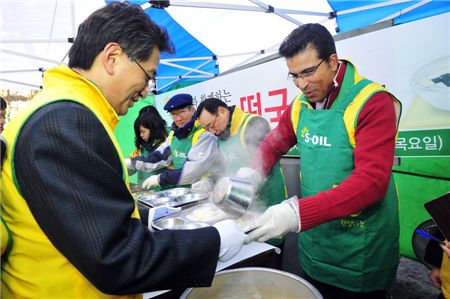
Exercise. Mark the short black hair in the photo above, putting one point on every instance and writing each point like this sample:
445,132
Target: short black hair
3,104
311,34
211,105
122,23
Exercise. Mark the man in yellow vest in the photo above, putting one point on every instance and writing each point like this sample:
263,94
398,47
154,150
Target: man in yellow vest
345,128
75,227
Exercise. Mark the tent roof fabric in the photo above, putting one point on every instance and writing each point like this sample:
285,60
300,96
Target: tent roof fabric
186,46
181,66
36,36
352,15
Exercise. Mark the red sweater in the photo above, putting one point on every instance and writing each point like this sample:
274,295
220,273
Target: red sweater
374,155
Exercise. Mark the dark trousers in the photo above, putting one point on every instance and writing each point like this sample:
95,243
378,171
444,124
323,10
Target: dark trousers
332,292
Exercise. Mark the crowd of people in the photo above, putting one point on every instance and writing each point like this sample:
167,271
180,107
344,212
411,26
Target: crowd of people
66,200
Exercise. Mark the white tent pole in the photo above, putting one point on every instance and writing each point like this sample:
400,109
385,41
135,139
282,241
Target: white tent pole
408,9
187,75
197,70
21,83
184,77
72,15
53,24
34,41
256,54
372,6
185,68
168,84
236,7
28,56
209,58
210,75
22,71
276,12
239,54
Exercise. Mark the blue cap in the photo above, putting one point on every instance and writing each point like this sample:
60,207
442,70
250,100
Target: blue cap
178,101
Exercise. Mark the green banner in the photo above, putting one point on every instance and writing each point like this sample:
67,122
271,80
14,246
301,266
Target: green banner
417,143
423,143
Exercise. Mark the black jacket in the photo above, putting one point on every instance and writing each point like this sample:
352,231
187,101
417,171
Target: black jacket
70,175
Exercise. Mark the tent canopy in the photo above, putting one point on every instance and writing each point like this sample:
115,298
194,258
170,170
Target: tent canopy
210,37
352,15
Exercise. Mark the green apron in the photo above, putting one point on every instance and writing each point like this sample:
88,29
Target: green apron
236,156
179,149
360,252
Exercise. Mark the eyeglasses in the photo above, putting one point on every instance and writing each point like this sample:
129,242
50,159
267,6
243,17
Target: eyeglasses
148,78
212,125
306,73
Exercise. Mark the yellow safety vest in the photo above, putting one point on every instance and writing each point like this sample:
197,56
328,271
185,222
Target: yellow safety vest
445,276
34,268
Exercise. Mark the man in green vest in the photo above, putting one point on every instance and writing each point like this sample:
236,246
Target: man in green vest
187,154
239,135
76,230
345,128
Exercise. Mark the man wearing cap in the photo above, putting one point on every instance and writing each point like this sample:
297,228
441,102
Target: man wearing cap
188,153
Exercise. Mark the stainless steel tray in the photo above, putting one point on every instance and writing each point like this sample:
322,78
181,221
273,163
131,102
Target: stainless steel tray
171,197
200,215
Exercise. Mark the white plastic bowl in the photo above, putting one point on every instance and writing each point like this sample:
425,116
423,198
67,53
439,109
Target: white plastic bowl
435,94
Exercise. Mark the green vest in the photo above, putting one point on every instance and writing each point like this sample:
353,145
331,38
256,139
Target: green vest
359,252
179,148
236,156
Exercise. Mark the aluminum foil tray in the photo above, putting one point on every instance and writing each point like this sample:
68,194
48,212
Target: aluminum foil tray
200,215
171,197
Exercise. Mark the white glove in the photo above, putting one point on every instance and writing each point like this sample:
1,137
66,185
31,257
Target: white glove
231,239
251,174
152,181
202,186
160,212
129,164
276,221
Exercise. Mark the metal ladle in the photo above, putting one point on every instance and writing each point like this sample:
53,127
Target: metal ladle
233,195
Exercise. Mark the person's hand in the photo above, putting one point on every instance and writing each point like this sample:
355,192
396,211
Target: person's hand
129,164
251,174
151,182
435,276
139,165
202,186
446,248
276,221
231,239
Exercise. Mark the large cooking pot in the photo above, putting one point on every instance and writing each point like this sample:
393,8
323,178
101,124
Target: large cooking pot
255,283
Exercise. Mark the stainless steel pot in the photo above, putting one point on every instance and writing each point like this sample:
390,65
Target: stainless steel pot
233,195
254,283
